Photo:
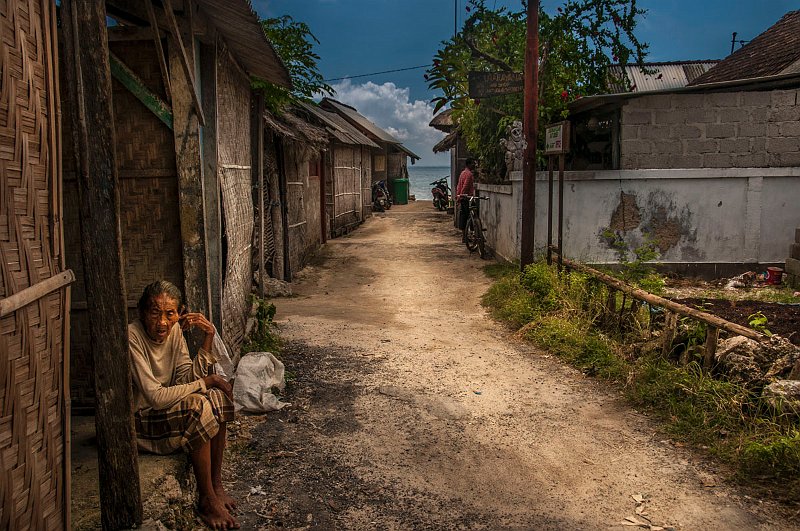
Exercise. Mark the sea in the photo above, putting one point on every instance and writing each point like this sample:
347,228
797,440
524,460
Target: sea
420,178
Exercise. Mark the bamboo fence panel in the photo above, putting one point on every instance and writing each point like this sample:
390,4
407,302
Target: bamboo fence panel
34,399
234,152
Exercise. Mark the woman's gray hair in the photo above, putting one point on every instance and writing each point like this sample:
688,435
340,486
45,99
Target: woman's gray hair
159,287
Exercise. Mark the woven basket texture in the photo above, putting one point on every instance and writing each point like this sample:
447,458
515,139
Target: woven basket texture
32,399
234,155
149,216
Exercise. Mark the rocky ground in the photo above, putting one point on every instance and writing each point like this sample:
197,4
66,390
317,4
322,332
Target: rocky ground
411,409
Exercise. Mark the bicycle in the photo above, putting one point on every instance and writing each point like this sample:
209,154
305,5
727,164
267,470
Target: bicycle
473,230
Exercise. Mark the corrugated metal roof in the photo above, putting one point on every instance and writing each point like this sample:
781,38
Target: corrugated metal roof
338,126
666,75
239,25
359,120
771,53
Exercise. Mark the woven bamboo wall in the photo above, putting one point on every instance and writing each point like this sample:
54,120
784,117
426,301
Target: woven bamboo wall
33,488
234,155
347,170
148,206
366,183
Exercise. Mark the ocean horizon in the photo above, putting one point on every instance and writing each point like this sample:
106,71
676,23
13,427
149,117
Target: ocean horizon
420,178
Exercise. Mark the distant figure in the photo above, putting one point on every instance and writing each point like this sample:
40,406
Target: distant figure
465,189
177,402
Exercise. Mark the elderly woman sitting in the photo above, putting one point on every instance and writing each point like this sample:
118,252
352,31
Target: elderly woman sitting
178,404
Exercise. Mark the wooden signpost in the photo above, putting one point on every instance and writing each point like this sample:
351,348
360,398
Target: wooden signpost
488,84
556,144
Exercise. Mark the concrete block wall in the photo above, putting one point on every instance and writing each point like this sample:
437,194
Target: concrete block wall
712,130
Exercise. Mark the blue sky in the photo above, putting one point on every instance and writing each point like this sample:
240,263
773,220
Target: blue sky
364,36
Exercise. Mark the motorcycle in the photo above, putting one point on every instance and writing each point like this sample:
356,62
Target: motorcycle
380,197
441,194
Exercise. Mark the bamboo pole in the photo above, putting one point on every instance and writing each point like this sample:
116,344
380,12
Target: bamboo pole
678,308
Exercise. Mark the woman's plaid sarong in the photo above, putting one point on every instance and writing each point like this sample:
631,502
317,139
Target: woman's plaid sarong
188,424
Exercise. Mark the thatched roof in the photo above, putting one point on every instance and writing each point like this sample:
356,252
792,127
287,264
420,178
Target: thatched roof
443,121
290,125
337,126
446,143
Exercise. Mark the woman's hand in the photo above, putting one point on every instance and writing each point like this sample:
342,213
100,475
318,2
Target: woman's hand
215,380
191,320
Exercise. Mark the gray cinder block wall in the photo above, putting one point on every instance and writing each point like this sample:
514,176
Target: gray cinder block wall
745,129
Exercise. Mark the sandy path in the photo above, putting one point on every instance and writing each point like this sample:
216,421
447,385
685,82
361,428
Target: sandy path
413,409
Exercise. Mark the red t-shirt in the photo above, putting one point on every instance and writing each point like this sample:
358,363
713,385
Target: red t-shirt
466,183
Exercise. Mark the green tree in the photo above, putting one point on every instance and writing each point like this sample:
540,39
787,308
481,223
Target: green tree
576,46
294,44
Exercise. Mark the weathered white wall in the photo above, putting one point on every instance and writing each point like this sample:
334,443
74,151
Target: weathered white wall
697,216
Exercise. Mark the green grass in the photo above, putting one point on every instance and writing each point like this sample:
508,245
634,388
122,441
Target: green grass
563,316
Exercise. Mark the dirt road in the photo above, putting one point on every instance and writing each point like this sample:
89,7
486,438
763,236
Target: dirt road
411,409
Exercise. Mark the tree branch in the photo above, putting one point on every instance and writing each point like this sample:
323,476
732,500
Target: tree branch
495,61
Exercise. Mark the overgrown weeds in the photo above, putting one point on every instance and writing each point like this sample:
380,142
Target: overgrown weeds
611,336
263,337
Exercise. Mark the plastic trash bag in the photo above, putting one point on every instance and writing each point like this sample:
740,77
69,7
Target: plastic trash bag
256,375
225,366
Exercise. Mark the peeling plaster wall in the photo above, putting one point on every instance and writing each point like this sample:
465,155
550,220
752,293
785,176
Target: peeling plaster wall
705,216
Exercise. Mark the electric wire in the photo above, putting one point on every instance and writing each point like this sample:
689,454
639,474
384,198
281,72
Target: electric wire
376,73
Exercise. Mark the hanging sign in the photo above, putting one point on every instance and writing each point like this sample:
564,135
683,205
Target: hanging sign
487,84
556,139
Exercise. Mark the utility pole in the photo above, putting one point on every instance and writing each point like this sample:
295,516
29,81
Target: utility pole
530,125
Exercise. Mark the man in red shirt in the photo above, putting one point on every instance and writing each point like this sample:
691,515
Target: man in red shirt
465,189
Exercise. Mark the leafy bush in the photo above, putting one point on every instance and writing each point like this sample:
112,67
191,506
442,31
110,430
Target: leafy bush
263,337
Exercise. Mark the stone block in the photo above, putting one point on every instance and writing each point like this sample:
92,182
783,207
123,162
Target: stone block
788,160
672,116
739,114
784,114
667,147
734,145
702,146
790,129
661,101
630,132
750,129
720,131
685,132
636,147
717,160
783,145
759,114
654,132
756,99
637,118
687,101
677,161
794,251
723,99
783,98
629,162
750,160
759,144
792,266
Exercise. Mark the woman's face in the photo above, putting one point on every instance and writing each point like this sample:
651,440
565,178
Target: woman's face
160,317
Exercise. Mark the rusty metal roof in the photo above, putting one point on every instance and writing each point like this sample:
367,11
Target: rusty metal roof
239,25
665,75
338,127
771,53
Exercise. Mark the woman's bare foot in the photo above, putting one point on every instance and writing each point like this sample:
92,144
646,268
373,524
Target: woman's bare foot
215,515
225,499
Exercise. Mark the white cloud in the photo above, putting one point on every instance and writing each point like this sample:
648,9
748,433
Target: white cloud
390,107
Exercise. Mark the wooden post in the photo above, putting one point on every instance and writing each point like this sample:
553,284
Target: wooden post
88,81
530,125
211,185
191,205
258,169
668,333
561,213
550,210
712,335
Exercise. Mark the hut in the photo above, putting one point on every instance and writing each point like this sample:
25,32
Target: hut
290,204
390,160
347,171
34,281
181,86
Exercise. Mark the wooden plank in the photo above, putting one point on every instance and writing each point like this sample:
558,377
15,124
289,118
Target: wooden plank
190,188
136,86
655,300
88,81
183,59
33,293
211,184
132,33
156,36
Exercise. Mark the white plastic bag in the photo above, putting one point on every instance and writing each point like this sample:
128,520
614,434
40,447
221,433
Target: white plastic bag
256,375
225,366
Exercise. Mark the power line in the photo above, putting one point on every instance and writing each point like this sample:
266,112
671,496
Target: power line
377,73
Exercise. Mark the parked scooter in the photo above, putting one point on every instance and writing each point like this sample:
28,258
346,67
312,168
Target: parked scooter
380,197
441,194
